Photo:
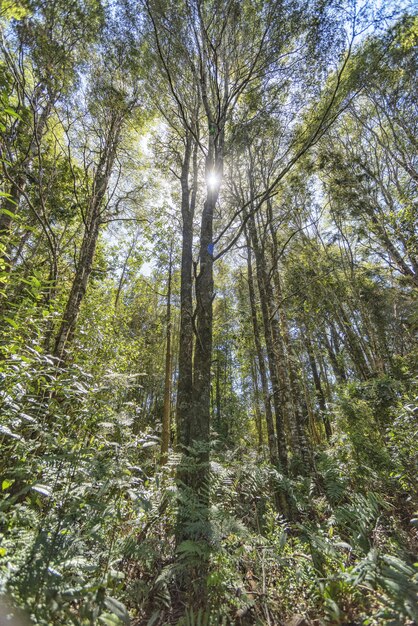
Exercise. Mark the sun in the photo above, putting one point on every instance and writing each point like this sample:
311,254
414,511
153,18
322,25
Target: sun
213,180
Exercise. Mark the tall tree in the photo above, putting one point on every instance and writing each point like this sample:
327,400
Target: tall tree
113,100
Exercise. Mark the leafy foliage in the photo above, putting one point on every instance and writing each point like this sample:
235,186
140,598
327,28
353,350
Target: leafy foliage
274,344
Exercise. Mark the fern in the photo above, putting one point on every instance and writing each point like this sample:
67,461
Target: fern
201,617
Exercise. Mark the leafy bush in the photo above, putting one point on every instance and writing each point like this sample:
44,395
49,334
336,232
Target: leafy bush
71,487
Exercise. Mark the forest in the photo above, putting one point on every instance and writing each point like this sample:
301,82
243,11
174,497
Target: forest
208,312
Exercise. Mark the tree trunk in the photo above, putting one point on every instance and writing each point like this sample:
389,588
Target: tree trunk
84,267
18,184
333,353
358,356
257,413
165,435
217,403
78,289
199,431
193,523
293,379
185,362
266,298
271,435
319,392
11,206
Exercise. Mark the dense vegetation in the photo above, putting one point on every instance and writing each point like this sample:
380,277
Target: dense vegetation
208,303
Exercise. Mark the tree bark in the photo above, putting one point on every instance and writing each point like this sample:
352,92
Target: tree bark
66,331
319,392
185,362
271,435
297,414
257,413
84,267
200,424
266,298
217,403
165,435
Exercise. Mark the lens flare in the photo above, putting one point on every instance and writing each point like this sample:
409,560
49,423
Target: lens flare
213,180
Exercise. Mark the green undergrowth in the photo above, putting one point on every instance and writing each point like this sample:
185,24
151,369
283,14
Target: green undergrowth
88,519
345,558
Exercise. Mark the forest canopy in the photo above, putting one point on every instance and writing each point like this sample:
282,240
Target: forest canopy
208,305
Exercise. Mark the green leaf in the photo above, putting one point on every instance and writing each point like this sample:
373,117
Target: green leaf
149,444
43,489
6,484
155,617
109,619
4,430
190,547
12,112
9,213
118,609
11,322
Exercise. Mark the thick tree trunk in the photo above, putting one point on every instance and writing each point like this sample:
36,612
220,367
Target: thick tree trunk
185,363
193,521
204,319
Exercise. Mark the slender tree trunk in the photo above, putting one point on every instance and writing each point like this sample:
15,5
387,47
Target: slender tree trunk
84,267
18,184
315,435
218,394
257,412
66,331
319,392
266,298
165,435
291,383
332,347
124,271
397,258
354,346
11,206
271,435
